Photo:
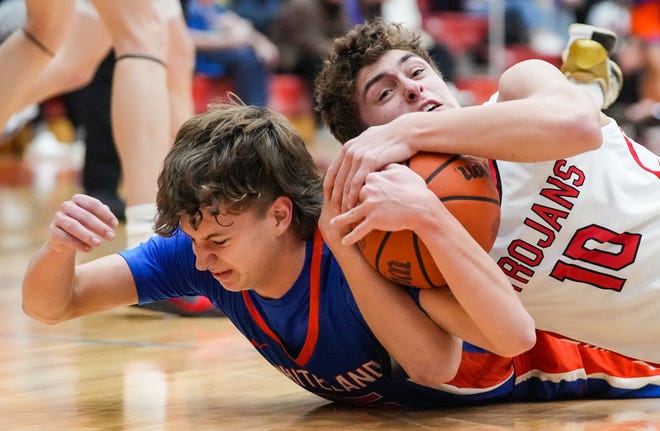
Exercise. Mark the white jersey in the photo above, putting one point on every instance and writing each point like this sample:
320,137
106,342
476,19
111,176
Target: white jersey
580,241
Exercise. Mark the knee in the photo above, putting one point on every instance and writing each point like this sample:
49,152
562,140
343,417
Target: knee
149,38
72,76
49,24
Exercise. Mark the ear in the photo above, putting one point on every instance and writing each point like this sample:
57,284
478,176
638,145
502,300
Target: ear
281,212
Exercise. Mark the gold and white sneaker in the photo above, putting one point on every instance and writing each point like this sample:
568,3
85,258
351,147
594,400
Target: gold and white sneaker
586,60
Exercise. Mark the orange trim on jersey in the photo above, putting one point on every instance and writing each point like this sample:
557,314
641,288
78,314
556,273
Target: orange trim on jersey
314,305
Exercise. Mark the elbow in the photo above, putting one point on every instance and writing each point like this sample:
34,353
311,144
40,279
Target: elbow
589,132
40,317
72,76
522,340
583,127
433,379
436,369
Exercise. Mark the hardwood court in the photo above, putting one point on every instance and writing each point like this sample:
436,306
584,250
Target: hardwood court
131,369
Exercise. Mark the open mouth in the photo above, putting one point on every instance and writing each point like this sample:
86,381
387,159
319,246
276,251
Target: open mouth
431,106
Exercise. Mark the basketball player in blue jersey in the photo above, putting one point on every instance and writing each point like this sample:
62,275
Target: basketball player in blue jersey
579,237
239,202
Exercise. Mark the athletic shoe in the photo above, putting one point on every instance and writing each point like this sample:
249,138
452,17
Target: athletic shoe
186,306
18,120
586,60
603,36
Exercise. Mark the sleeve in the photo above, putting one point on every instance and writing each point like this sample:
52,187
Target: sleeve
165,268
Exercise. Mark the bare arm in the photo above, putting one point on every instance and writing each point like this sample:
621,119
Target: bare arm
232,32
427,352
482,307
236,32
540,116
55,288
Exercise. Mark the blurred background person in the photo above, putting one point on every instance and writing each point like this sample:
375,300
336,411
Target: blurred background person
229,46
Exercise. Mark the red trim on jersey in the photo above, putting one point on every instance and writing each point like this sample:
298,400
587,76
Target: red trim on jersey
636,157
314,304
554,355
495,176
199,304
493,171
482,370
552,338
553,358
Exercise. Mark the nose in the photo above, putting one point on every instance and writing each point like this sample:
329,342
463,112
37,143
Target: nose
204,258
412,89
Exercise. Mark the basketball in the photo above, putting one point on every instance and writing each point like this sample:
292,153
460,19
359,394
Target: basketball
464,185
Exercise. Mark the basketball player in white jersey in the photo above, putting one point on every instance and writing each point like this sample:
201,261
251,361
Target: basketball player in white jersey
580,223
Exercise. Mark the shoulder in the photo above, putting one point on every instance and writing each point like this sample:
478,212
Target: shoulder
529,78
160,251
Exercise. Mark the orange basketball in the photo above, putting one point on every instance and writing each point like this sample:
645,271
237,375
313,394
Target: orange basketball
464,185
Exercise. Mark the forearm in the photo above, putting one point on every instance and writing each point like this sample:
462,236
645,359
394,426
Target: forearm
428,353
528,130
539,116
490,313
208,40
48,285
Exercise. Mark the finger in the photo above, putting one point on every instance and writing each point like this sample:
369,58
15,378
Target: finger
339,184
327,189
84,222
358,169
347,220
97,208
61,240
359,231
352,187
72,234
331,171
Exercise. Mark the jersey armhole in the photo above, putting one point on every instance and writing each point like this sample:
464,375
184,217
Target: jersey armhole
495,176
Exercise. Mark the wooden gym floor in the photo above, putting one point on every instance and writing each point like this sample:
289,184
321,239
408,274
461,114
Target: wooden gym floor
131,369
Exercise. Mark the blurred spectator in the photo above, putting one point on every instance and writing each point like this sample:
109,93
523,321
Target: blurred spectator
645,27
408,13
261,13
638,55
229,46
359,11
304,31
542,24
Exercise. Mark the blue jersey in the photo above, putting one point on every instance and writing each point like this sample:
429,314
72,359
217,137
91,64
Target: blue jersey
316,336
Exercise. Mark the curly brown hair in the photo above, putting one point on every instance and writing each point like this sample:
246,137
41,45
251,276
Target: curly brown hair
365,44
235,157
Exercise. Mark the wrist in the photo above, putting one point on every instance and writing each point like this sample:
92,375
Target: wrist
431,220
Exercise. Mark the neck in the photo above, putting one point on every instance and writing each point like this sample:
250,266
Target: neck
285,268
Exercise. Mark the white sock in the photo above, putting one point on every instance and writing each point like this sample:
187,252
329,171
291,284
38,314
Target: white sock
595,90
139,223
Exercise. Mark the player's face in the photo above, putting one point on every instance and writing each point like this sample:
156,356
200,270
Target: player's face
238,249
399,83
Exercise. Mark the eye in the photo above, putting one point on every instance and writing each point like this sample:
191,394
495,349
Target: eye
219,243
418,71
383,94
